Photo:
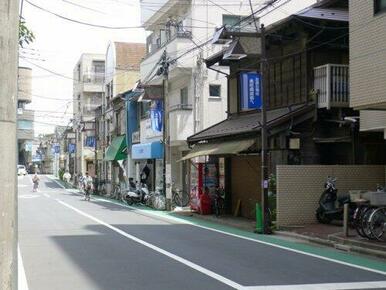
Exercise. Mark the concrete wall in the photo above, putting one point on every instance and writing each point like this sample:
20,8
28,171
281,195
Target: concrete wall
299,187
367,56
8,96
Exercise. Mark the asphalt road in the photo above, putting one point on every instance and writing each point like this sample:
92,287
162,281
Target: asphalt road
68,243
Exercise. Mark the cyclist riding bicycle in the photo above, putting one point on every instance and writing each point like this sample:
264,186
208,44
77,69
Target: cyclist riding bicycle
88,183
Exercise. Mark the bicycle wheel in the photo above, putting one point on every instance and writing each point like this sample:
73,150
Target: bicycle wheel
357,220
377,223
365,224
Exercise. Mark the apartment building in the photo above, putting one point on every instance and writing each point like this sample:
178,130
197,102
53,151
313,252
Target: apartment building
25,117
368,66
196,96
88,90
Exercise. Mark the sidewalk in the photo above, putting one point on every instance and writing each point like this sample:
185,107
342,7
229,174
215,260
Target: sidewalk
327,235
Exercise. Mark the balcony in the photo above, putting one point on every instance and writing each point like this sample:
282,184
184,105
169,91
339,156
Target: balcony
179,43
93,82
331,82
181,123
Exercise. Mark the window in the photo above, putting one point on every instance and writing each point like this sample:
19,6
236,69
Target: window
145,109
379,6
184,96
214,91
232,21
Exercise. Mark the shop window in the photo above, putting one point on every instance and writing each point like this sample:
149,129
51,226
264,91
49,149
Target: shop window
184,96
379,6
215,91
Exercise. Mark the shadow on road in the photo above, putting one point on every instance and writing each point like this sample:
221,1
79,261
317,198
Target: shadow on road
113,262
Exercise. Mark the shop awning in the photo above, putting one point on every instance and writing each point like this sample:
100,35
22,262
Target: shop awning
153,150
220,148
116,150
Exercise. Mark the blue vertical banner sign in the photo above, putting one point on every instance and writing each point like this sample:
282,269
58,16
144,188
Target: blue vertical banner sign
250,91
156,114
71,148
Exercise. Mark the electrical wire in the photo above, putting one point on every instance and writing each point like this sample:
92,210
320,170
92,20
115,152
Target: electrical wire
81,22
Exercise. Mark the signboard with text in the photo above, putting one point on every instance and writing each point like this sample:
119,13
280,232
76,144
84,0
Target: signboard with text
250,88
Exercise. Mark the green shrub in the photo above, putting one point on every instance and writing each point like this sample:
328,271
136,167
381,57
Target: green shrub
61,173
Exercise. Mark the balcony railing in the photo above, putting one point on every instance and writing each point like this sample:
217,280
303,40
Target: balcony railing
331,83
93,78
154,47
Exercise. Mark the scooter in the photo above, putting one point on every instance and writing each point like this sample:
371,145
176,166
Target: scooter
327,210
137,194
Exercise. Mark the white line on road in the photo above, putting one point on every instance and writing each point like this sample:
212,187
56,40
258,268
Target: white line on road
22,279
192,265
250,239
325,286
46,195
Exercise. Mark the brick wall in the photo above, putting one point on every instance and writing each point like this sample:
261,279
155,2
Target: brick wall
367,55
300,186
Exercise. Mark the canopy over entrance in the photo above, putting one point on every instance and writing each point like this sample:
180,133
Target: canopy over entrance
219,148
117,149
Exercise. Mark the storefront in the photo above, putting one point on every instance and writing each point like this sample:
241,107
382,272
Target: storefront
116,153
149,155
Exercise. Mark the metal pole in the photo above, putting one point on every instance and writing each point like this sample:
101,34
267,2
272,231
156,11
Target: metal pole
9,20
345,219
264,161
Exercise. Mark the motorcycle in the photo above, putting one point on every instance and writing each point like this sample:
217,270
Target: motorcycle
136,194
327,210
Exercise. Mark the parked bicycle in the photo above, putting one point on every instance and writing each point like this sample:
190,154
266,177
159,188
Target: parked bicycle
180,198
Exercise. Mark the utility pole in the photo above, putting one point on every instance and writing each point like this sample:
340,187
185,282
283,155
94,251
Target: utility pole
9,24
167,183
264,159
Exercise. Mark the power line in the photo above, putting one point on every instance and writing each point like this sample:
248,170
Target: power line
81,22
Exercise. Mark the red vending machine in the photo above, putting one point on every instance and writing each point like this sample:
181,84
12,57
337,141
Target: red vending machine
204,181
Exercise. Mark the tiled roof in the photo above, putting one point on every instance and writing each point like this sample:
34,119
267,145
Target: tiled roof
129,55
248,123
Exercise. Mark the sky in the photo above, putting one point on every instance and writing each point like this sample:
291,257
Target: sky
59,44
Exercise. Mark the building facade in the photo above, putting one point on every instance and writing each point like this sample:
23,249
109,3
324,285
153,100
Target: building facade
368,65
306,87
196,97
88,91
25,117
122,72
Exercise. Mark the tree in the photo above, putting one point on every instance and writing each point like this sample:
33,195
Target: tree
26,36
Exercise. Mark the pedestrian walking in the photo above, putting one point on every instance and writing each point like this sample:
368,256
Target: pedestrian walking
67,176
35,180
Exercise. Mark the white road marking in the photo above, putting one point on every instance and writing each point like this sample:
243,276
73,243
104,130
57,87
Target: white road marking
26,196
46,195
325,286
250,239
192,265
22,279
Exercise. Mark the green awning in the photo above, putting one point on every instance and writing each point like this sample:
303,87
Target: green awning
223,148
117,148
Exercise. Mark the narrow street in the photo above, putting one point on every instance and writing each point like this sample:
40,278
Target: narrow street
68,243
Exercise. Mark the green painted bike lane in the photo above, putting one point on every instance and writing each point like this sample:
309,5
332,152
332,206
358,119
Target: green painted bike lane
270,240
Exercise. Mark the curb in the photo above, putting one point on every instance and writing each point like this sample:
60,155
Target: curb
337,243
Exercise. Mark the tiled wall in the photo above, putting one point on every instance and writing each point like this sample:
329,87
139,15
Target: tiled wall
367,55
299,187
